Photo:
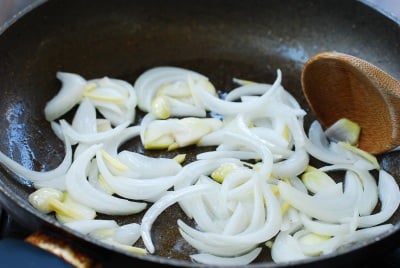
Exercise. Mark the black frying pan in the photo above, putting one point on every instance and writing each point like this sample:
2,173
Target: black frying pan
221,39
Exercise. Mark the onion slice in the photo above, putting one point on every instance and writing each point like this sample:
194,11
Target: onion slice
39,176
158,207
68,96
82,191
209,259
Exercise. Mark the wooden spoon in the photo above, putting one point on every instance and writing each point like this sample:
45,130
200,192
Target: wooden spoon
338,85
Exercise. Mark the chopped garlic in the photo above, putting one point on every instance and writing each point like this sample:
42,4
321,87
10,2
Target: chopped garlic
284,207
102,183
42,199
269,244
89,87
73,210
367,156
173,146
313,238
49,200
222,171
316,180
159,143
136,250
115,163
160,107
103,125
286,133
243,81
180,158
344,130
123,236
103,97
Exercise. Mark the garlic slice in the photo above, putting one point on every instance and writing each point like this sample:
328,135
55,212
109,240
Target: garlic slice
344,130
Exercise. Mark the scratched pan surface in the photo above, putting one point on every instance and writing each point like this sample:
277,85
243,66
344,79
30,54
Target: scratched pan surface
122,38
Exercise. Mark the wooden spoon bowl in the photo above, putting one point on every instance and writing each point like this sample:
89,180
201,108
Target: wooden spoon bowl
338,85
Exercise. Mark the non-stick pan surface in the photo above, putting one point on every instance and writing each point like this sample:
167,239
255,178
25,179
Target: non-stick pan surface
122,38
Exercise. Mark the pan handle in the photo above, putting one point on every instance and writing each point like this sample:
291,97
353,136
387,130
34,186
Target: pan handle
42,250
61,249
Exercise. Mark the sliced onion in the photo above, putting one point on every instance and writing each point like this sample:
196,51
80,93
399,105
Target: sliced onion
247,90
149,83
291,220
158,207
389,196
132,188
87,226
222,107
82,191
116,112
220,248
56,183
191,172
143,166
127,234
263,152
369,197
181,109
292,166
111,146
84,120
325,228
94,137
312,245
285,249
209,259
204,219
243,155
39,176
269,229
318,146
68,96
330,209
237,222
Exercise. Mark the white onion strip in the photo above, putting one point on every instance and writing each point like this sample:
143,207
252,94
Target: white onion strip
222,107
209,259
330,209
389,196
369,197
39,176
324,228
68,96
87,226
131,188
94,137
269,229
82,191
159,206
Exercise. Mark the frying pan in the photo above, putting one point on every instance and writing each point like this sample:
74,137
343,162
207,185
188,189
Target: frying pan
220,39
